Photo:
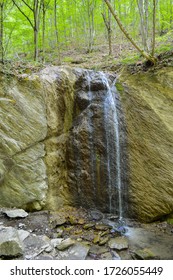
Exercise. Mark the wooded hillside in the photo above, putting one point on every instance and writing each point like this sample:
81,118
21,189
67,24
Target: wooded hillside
42,30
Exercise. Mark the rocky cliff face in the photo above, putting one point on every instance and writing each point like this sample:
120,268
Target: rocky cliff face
23,127
147,101
59,142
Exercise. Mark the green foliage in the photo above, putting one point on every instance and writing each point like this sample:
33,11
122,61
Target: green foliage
77,22
130,59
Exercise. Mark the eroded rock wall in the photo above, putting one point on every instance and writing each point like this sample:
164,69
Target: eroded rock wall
54,141
23,127
147,101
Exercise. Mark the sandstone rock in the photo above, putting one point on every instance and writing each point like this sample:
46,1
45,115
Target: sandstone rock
106,256
65,244
102,227
57,139
115,255
23,127
23,234
10,243
144,254
103,241
15,213
34,245
118,243
147,104
78,251
89,225
98,250
56,241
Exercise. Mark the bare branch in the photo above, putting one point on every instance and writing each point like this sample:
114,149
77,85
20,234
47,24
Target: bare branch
105,21
143,53
27,5
23,14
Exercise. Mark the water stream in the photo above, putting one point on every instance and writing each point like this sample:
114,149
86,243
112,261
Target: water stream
112,131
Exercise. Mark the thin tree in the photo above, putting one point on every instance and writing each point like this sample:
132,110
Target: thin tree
154,28
56,30
143,12
45,6
90,6
1,30
108,24
35,8
149,57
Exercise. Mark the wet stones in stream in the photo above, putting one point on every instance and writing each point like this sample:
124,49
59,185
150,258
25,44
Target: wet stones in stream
71,234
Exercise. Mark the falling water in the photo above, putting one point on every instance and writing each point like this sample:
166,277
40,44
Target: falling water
110,108
90,97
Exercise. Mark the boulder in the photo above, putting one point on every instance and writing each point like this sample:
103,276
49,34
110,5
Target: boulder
10,243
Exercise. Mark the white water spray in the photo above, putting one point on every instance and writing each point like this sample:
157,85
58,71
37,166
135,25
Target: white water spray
110,106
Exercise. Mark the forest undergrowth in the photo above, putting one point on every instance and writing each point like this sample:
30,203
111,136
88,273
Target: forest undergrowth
124,55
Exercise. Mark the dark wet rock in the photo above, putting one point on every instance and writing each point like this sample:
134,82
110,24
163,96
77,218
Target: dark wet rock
112,217
96,215
37,235
118,243
10,243
15,213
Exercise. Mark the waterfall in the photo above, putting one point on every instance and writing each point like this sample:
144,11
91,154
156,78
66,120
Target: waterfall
112,132
93,147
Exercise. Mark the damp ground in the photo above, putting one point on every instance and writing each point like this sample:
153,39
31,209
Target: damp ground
91,235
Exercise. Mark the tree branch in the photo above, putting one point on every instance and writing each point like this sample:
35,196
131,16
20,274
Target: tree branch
27,5
24,14
142,52
105,21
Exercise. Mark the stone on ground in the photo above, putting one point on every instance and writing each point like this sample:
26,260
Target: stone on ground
10,243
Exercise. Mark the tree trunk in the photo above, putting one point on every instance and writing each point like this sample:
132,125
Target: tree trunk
90,8
36,27
171,13
154,28
56,30
142,7
2,31
107,21
43,30
149,57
